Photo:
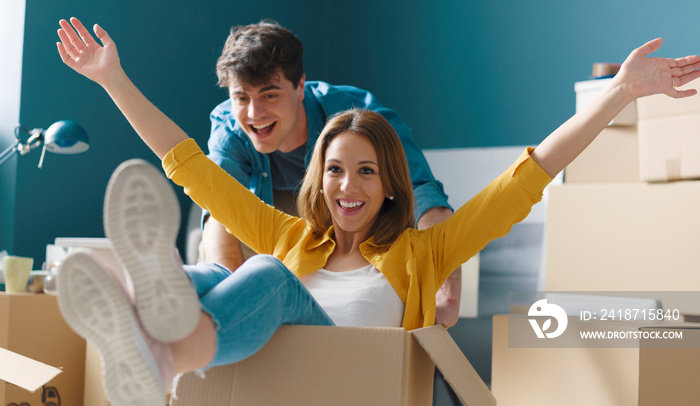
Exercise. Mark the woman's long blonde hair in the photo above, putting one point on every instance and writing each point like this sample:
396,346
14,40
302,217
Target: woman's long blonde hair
395,215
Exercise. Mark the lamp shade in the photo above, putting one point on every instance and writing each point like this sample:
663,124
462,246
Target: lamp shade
66,137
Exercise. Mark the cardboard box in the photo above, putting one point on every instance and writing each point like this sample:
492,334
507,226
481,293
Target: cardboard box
669,148
612,157
669,137
625,237
31,325
587,90
313,365
660,105
647,372
669,376
94,394
560,376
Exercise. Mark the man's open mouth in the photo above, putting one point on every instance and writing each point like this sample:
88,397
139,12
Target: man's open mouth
263,129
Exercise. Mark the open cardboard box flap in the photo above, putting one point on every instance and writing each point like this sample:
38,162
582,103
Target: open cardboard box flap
318,365
455,367
25,372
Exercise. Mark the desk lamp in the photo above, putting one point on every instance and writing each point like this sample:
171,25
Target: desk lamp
62,137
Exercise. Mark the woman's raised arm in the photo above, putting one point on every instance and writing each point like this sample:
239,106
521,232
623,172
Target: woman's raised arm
100,63
639,76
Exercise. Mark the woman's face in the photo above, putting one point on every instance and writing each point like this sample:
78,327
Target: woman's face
352,187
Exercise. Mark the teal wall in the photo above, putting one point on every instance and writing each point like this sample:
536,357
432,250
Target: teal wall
461,73
480,73
171,59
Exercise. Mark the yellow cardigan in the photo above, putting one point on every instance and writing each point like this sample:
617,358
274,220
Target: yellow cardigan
416,264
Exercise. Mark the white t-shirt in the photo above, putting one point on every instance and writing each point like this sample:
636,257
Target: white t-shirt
363,297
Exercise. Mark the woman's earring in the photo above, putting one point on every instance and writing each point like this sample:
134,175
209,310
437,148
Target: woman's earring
321,191
391,197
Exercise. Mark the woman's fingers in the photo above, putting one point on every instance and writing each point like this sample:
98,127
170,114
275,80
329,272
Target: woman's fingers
73,38
67,44
65,57
82,31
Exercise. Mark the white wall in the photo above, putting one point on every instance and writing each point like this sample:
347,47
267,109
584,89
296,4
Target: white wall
465,171
11,41
11,44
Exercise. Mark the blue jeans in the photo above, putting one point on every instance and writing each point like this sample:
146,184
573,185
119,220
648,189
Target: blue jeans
250,304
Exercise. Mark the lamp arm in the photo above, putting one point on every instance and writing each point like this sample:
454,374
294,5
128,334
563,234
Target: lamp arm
8,152
36,139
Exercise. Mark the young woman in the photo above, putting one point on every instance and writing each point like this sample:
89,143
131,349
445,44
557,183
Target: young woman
353,241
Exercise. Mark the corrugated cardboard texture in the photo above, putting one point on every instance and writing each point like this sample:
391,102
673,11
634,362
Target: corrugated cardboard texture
560,376
417,376
660,105
458,372
337,366
341,366
669,148
625,237
612,157
31,325
94,389
669,376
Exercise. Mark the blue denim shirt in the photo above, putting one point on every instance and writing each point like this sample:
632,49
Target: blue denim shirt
231,149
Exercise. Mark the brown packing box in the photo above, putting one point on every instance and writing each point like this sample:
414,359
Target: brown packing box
31,325
669,148
612,157
669,376
669,137
313,365
660,105
560,376
587,90
625,237
94,394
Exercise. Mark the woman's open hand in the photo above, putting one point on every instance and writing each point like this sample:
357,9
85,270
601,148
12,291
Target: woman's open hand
79,50
644,75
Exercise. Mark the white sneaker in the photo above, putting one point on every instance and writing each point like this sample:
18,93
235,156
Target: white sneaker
142,219
136,370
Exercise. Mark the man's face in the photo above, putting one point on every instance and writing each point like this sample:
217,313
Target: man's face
272,115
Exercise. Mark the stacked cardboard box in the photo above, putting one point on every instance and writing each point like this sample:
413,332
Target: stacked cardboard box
559,376
668,376
651,373
614,155
669,137
655,138
613,230
32,326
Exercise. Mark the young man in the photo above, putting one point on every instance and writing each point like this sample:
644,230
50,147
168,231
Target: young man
264,133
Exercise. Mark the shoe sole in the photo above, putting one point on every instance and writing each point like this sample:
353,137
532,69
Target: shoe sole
95,306
142,219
